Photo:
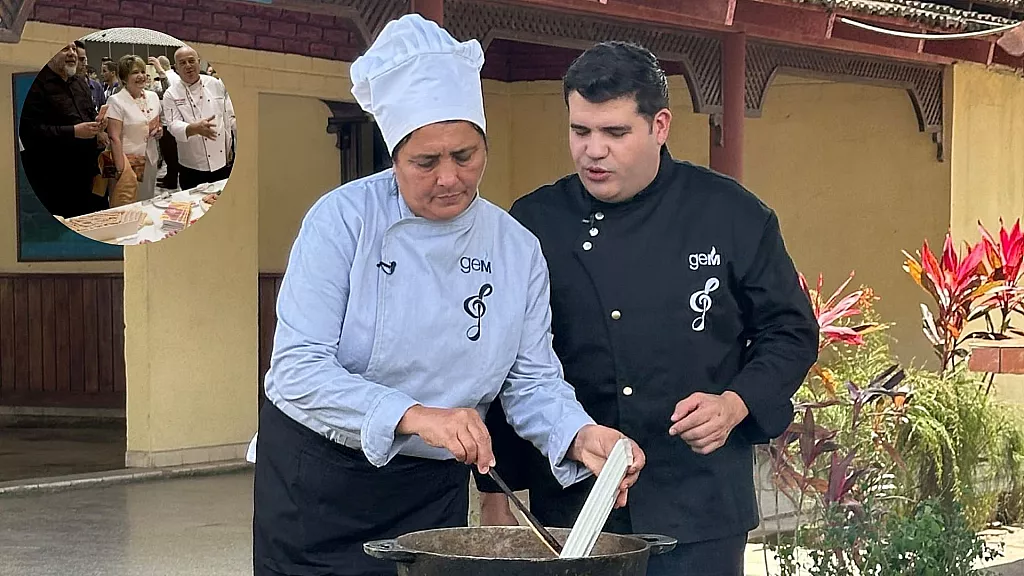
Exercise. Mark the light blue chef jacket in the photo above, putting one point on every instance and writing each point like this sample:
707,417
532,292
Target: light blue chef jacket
380,310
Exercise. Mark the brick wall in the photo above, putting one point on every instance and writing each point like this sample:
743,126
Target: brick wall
260,27
237,24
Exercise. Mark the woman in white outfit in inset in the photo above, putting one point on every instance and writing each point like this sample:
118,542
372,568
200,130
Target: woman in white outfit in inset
134,126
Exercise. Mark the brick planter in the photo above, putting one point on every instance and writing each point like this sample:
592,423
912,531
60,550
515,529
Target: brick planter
998,357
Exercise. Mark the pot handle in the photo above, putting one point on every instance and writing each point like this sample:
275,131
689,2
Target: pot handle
388,550
659,544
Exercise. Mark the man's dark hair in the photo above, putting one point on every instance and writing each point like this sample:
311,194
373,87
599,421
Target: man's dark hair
79,44
615,69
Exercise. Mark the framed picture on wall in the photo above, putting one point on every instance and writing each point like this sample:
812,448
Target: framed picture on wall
41,238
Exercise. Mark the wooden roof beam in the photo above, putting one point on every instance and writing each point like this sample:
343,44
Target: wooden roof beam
804,23
690,15
787,22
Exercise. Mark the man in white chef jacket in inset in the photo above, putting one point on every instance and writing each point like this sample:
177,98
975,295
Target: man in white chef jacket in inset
200,116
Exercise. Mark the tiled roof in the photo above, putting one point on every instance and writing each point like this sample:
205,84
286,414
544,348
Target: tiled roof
927,13
1015,5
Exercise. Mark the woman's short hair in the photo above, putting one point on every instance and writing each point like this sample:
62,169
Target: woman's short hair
403,141
127,64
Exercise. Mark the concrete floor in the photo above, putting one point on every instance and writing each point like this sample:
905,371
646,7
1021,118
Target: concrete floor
36,451
185,527
182,527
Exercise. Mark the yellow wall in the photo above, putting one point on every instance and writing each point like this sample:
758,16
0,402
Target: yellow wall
38,45
497,182
987,161
987,149
854,183
298,164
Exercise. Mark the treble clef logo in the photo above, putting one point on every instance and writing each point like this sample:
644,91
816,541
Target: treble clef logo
476,309
700,302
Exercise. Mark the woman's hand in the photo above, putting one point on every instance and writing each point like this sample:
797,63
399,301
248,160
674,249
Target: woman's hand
461,431
593,445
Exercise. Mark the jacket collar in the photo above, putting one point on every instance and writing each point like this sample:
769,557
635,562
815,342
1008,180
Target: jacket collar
666,172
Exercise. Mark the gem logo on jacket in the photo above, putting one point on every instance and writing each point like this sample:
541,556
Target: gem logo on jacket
712,258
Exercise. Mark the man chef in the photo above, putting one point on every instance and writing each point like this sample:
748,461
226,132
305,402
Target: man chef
677,314
389,348
198,112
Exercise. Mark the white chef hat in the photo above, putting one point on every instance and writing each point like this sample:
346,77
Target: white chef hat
416,74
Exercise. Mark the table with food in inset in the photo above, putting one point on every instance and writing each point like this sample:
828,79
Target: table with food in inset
150,220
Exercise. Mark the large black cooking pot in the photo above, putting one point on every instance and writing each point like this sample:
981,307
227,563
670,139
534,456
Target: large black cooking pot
513,551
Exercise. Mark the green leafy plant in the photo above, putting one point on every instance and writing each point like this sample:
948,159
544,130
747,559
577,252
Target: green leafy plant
880,455
953,442
930,541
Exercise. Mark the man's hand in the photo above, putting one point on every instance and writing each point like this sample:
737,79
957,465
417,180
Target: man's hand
461,431
705,421
87,130
592,446
205,128
156,64
496,511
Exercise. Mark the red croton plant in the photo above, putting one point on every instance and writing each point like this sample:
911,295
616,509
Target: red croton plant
969,285
807,460
978,282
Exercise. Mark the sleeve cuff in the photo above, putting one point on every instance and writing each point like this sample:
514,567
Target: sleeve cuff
377,436
569,472
766,416
178,129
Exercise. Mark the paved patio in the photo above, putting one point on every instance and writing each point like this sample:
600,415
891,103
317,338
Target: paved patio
184,527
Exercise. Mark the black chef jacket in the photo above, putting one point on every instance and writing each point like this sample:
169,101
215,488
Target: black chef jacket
686,288
59,166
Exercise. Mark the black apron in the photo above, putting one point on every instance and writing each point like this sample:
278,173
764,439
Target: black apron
316,502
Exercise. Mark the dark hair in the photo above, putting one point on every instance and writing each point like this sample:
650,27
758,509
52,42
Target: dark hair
615,69
79,44
405,140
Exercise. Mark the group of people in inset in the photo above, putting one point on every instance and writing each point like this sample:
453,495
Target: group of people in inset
89,145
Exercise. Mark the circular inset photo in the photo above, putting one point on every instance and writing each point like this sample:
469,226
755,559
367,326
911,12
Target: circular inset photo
126,136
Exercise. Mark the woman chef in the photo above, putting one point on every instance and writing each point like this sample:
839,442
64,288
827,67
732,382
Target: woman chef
409,304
